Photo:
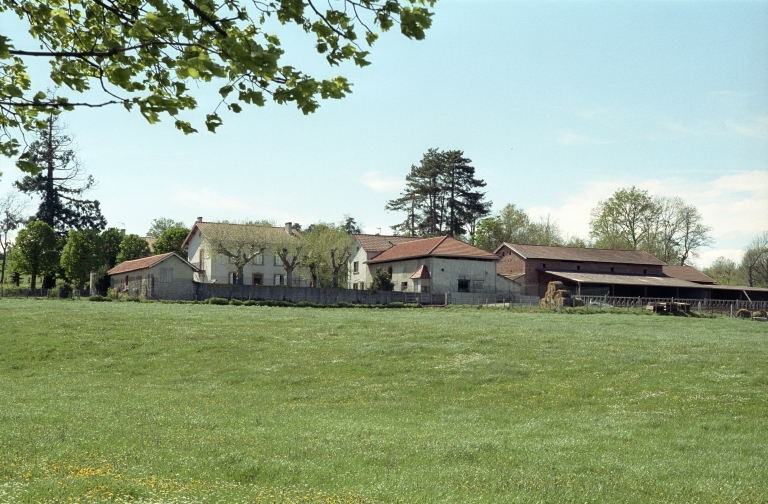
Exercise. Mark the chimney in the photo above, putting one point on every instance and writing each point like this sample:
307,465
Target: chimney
199,219
122,231
288,227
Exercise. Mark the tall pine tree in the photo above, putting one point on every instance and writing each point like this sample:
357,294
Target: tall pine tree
61,183
441,196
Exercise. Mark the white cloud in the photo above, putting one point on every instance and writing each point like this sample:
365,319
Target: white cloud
734,206
576,139
375,181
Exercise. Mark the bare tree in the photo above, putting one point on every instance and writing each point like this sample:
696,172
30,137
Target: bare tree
239,242
291,249
755,260
693,234
11,208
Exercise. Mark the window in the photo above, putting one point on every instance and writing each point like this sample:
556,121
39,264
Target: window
425,288
166,275
389,271
232,277
645,272
356,267
611,269
463,285
259,260
258,279
201,259
362,285
578,268
544,265
279,279
278,262
354,286
404,286
126,279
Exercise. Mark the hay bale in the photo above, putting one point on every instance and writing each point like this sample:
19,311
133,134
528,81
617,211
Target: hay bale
562,293
744,313
555,286
759,313
544,303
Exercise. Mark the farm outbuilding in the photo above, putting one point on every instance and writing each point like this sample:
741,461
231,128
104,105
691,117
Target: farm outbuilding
163,276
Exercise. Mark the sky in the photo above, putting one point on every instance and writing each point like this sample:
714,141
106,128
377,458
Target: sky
558,104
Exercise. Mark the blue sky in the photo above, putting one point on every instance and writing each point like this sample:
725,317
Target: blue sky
558,104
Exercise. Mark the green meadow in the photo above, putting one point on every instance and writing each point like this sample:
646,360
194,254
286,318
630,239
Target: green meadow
159,403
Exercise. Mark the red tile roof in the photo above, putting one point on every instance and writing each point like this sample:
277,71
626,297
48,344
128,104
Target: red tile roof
440,246
688,273
146,262
422,273
583,254
380,243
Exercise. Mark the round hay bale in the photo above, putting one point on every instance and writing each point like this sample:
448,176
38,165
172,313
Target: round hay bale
758,313
563,293
544,303
744,313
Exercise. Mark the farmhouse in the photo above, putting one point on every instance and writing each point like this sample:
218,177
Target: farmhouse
439,265
164,276
367,247
265,268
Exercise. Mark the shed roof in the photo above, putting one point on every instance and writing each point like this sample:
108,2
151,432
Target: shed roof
422,273
380,243
600,278
578,254
688,273
146,262
440,246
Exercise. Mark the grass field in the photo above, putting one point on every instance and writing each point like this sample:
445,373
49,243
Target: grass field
154,403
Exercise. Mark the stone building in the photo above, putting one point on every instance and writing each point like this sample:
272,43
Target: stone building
164,276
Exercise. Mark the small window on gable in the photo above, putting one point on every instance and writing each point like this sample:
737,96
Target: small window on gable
356,267
259,260
166,275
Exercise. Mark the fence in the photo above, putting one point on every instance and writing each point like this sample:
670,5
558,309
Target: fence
25,292
712,306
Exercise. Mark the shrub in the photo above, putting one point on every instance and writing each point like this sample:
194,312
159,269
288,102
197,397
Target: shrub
132,299
65,291
217,301
251,302
236,302
98,298
396,304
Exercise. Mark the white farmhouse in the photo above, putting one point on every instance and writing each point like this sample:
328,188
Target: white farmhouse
367,247
264,269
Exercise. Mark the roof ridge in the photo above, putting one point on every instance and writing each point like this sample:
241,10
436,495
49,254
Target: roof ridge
438,244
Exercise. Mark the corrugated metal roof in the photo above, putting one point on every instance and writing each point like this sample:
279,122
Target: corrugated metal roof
440,246
380,243
583,254
687,273
146,262
600,278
